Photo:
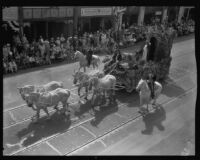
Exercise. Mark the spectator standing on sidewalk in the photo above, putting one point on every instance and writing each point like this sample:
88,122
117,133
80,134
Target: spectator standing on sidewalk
42,50
47,52
62,40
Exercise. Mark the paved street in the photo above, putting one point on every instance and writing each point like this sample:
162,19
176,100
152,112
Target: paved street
113,130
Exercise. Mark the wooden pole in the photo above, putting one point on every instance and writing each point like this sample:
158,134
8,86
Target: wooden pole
20,11
47,31
188,14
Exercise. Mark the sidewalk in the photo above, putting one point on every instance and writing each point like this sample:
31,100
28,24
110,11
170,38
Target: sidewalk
134,47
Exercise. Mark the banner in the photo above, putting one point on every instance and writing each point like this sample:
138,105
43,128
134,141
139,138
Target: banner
13,25
54,12
158,13
96,11
10,14
46,13
62,12
36,13
27,13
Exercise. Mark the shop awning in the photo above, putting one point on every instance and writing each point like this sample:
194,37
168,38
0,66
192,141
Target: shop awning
14,25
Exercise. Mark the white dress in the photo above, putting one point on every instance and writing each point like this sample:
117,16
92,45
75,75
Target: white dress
144,55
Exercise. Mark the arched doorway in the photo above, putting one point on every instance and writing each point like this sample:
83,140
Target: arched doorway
152,49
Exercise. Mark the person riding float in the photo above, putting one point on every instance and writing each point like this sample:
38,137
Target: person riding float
151,83
89,56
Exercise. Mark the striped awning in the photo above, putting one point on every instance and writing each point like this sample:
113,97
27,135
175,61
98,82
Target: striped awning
14,25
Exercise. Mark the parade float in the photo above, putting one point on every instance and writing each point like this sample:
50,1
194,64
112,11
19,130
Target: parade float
132,67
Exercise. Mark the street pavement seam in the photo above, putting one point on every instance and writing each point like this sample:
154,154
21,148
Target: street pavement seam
93,135
53,148
183,54
185,70
92,118
90,132
128,122
23,105
170,83
118,114
27,119
12,116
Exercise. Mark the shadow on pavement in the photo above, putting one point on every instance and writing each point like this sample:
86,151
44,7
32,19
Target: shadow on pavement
45,128
154,119
83,108
172,90
104,110
131,99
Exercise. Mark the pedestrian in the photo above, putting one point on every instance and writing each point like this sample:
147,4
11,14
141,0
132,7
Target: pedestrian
42,49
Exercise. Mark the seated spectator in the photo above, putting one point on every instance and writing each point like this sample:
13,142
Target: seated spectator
58,41
16,40
57,51
5,66
12,66
42,49
62,40
52,42
41,40
10,53
24,40
5,52
47,52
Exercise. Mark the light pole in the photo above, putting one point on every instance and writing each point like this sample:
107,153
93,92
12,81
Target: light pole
117,13
21,22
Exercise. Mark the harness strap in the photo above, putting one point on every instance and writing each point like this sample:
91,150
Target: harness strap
46,103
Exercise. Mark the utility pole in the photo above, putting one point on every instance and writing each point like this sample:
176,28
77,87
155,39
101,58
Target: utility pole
21,32
117,12
75,20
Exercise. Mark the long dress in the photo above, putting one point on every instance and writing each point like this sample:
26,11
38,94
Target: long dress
144,55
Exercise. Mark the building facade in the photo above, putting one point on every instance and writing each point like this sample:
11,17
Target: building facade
94,18
68,20
48,21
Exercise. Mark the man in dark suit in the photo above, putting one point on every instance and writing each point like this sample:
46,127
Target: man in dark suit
89,56
151,82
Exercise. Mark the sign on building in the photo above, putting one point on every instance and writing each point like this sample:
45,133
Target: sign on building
69,12
46,13
27,13
37,13
54,12
62,11
96,11
158,13
10,14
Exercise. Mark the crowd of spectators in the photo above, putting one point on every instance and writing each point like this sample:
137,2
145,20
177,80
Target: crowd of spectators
22,54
